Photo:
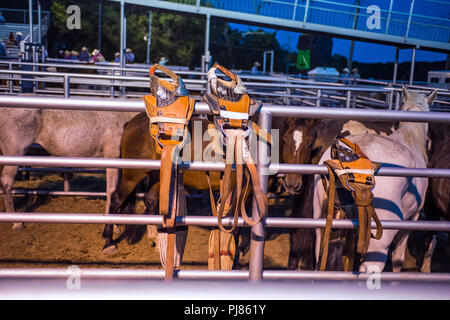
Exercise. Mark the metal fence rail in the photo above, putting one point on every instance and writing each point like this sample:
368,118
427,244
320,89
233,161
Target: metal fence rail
210,221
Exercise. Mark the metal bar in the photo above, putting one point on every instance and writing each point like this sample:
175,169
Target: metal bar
389,16
305,17
413,62
202,108
66,86
408,26
11,81
39,21
294,10
256,259
394,80
99,27
210,221
202,82
201,166
208,23
122,27
30,20
149,37
269,275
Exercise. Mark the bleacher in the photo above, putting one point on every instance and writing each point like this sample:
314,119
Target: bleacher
7,28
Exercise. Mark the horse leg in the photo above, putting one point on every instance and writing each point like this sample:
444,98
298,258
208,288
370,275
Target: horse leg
128,180
151,199
377,253
6,185
112,176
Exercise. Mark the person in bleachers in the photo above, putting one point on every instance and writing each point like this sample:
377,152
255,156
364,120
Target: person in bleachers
129,56
67,55
19,37
97,56
117,57
2,19
163,61
85,55
75,55
2,48
11,40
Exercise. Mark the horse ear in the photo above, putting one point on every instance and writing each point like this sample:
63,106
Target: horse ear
431,97
405,93
312,122
289,122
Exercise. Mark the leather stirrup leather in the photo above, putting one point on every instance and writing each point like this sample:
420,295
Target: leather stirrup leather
355,173
169,109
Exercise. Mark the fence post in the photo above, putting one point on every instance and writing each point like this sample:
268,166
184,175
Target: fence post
11,81
66,86
256,259
349,99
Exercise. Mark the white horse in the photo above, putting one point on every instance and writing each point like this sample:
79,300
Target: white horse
395,198
65,133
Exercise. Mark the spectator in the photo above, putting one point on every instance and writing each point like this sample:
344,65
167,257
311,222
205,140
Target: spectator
355,74
97,56
129,56
75,55
163,61
67,55
85,55
2,48
345,75
117,57
11,40
19,37
61,54
2,19
255,67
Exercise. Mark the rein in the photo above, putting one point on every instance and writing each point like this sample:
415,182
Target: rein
169,109
232,108
355,174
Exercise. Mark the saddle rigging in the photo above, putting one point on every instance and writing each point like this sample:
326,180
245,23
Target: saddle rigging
355,174
169,109
232,107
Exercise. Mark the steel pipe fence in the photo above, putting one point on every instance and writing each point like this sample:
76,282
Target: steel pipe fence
137,105
256,261
270,275
211,221
146,284
76,162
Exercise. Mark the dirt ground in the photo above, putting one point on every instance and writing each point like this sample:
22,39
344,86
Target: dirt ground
42,245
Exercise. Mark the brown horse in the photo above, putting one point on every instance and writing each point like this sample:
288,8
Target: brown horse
437,202
136,143
308,140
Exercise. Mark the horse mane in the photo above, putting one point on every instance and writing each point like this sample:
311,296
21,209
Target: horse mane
414,134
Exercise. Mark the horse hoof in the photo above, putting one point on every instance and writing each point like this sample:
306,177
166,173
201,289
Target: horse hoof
18,226
110,250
